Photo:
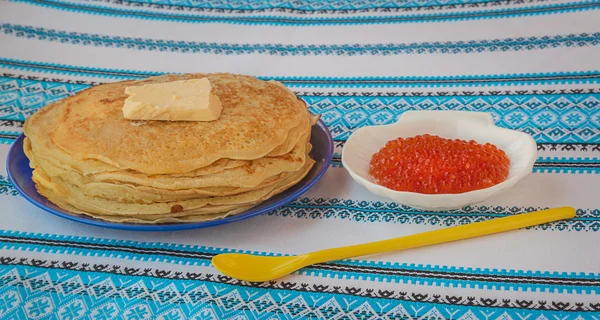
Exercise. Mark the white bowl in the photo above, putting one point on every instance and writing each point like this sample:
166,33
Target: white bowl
362,144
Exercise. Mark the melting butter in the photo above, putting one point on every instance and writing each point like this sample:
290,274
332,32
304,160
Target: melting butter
184,100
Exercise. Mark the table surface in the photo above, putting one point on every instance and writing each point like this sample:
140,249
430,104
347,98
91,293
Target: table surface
532,64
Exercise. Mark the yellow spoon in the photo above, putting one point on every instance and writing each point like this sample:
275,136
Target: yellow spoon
261,268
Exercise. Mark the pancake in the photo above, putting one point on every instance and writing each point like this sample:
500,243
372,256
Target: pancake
135,193
247,176
89,160
256,118
250,175
295,135
39,127
159,219
62,193
58,200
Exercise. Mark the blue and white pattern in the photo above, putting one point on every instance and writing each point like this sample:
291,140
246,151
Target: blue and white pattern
549,118
532,64
21,98
385,49
495,80
304,21
554,118
307,7
74,291
426,275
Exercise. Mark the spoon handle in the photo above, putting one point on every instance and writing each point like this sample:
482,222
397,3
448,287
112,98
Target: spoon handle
443,235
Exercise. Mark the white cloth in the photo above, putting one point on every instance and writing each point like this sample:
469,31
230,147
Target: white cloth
532,64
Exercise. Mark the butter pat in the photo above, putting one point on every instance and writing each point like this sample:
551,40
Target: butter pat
184,100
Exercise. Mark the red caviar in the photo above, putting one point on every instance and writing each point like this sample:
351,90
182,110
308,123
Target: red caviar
432,165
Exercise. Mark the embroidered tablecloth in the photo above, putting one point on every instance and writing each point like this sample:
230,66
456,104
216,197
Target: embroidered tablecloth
533,64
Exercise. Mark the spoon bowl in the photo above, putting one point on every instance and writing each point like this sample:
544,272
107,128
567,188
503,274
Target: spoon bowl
257,268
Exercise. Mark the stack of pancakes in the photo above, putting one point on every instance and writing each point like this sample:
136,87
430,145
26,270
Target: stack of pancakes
90,160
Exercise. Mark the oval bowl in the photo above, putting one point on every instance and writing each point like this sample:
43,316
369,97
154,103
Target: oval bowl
19,173
520,148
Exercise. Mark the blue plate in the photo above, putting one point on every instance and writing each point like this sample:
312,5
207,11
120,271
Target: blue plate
19,173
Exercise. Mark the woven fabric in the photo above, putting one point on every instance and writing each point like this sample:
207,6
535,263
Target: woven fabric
532,64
